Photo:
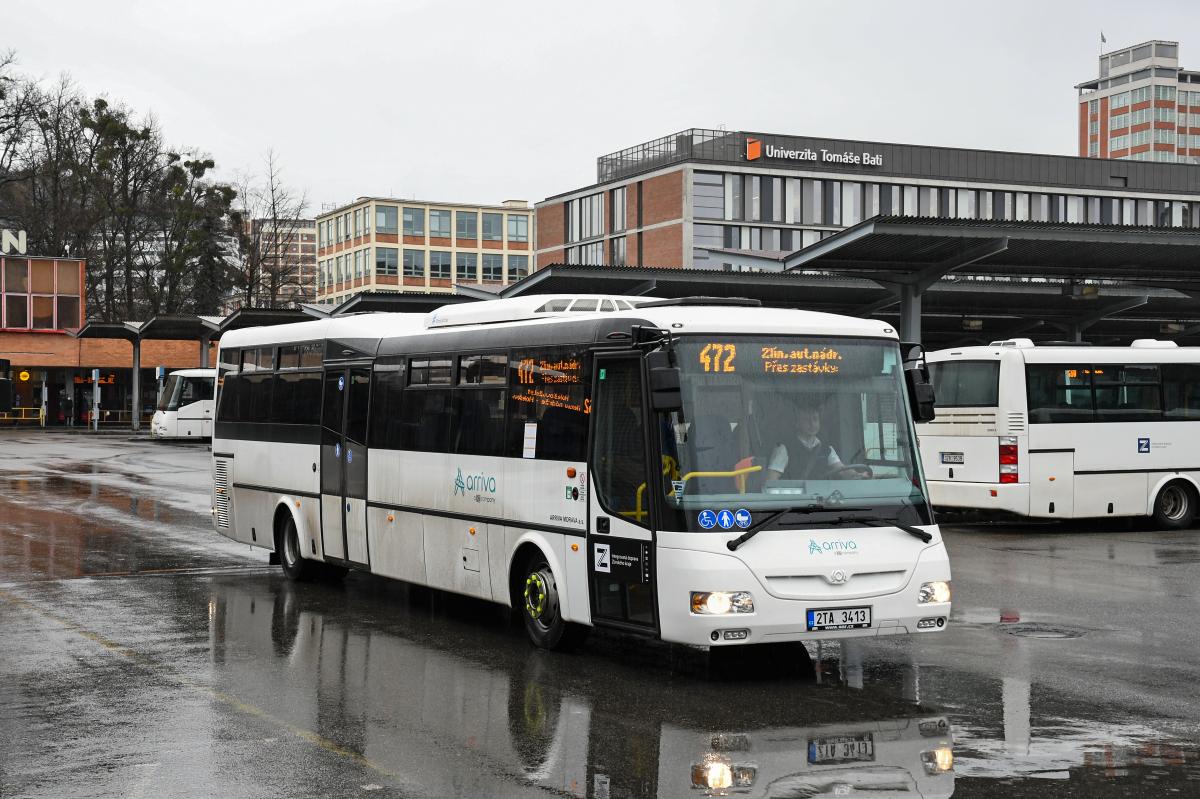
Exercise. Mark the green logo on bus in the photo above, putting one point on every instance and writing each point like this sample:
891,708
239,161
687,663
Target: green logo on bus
460,487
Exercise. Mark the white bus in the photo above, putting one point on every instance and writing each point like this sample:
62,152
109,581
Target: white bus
701,471
185,405
1063,432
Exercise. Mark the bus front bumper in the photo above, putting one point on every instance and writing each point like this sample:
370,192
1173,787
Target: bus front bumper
780,620
1001,497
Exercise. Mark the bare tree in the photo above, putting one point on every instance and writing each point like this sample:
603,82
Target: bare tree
268,222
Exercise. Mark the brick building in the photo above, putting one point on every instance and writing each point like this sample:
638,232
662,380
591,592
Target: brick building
1142,107
41,301
380,244
699,198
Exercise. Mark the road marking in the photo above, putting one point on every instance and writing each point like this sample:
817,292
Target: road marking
224,698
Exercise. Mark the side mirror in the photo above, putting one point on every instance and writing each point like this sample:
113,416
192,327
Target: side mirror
920,394
665,395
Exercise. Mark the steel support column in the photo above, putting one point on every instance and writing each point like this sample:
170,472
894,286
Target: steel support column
910,312
136,402
205,341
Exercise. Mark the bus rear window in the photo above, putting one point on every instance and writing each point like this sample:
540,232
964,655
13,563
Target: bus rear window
966,384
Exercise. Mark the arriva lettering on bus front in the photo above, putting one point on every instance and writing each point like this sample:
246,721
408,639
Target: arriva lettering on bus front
714,479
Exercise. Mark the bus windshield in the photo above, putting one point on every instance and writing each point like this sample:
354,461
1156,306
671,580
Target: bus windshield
166,397
772,423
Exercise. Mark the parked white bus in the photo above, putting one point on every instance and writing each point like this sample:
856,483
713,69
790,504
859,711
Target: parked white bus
701,471
185,405
1062,432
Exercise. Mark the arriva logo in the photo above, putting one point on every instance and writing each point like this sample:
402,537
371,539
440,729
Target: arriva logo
477,483
840,546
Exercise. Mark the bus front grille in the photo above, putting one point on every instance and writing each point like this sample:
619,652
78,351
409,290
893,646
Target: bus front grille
221,484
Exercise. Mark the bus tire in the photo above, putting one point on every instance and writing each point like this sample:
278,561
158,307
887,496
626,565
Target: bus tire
540,609
291,557
1175,506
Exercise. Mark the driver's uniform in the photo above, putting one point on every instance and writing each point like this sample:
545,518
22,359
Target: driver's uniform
802,461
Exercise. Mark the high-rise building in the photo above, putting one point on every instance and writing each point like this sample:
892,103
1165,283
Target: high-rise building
281,255
1142,107
380,244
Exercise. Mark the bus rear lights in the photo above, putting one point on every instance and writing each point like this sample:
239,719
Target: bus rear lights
1008,459
929,624
721,603
937,591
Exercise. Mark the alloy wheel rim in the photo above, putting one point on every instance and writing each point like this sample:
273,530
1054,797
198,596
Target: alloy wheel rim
1175,503
537,596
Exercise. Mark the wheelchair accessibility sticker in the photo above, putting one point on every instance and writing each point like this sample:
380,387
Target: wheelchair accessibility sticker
707,519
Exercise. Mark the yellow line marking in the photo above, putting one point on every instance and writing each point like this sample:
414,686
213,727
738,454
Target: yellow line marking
229,700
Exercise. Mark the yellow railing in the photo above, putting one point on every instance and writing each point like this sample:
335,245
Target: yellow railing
638,513
22,415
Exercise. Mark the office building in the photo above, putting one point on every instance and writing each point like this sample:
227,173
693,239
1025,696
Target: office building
678,201
381,244
1142,107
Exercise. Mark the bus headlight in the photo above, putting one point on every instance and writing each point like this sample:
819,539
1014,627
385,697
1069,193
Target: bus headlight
935,592
938,761
721,603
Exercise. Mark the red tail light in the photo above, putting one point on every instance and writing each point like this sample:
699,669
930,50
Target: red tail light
1008,477
1008,453
1009,469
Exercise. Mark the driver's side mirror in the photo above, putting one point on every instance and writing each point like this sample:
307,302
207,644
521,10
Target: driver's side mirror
665,395
916,379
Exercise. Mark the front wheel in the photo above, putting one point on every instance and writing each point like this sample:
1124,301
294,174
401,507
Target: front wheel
1175,506
541,611
294,565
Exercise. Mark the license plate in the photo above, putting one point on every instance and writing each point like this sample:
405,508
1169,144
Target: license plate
842,749
839,618
952,457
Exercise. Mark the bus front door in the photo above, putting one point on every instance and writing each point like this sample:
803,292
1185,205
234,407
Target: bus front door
620,540
344,464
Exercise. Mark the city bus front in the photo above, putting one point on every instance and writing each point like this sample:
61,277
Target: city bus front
788,502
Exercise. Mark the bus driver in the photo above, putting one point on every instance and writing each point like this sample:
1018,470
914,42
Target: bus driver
807,457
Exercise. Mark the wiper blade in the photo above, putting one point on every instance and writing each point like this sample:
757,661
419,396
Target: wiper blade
879,521
765,523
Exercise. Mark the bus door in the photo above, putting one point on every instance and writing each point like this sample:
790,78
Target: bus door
344,463
620,541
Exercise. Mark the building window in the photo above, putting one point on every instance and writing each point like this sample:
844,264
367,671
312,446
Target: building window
493,267
385,260
1093,127
1120,100
733,196
357,222
518,227
851,203
467,224
414,221
1140,95
439,224
518,266
1139,138
493,227
1118,143
1164,114
811,208
1093,106
585,217
1119,121
439,265
1164,136
1164,92
617,216
966,204
414,263
1094,149
467,267
385,219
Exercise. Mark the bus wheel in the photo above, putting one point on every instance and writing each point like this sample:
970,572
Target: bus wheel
1175,506
538,596
288,545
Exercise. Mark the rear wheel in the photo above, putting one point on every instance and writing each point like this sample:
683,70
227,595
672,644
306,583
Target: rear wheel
541,611
290,558
1175,506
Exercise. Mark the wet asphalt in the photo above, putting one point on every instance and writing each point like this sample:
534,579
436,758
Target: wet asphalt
143,655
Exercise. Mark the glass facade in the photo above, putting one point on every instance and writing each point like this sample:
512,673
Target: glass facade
40,294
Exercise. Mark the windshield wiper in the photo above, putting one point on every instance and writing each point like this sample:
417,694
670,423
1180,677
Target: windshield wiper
764,524
879,521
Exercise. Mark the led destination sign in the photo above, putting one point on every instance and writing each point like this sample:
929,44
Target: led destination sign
722,357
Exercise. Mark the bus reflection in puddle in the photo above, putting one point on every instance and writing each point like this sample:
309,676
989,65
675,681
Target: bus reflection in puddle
400,696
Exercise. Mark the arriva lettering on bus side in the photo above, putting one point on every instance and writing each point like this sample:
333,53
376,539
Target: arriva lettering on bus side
691,470
1066,432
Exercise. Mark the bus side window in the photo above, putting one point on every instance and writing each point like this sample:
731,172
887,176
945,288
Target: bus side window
1181,391
547,388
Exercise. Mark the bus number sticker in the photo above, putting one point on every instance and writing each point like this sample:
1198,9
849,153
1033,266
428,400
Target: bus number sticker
718,357
603,558
707,519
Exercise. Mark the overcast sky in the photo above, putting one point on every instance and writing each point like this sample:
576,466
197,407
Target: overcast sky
487,101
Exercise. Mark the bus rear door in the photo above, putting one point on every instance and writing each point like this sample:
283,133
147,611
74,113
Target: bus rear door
621,555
